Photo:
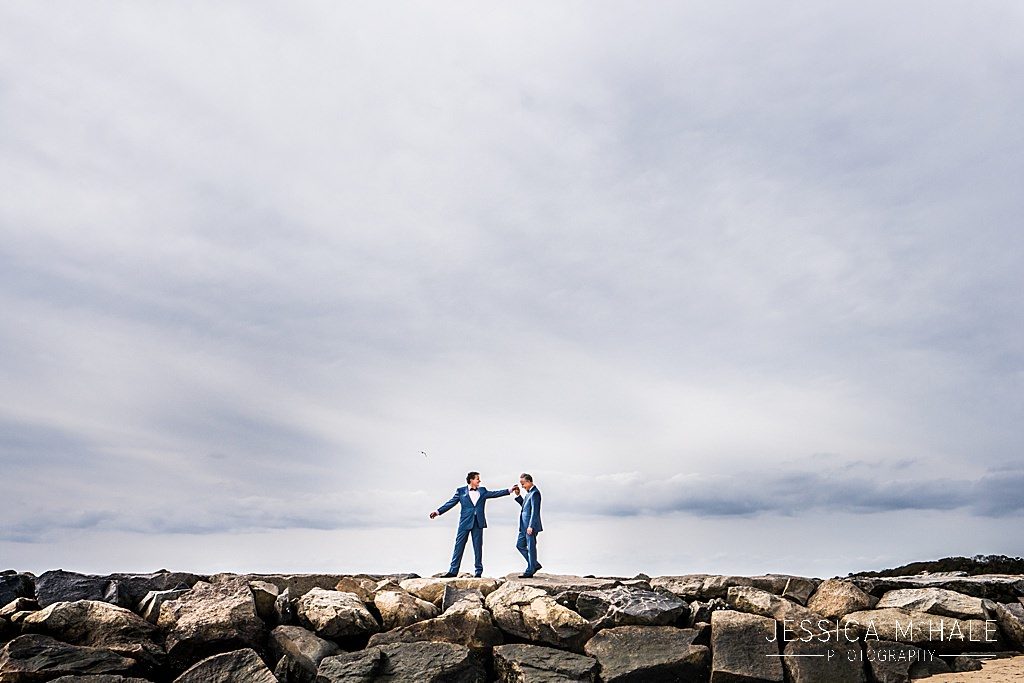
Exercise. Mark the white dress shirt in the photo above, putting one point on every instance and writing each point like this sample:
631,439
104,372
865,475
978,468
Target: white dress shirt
474,495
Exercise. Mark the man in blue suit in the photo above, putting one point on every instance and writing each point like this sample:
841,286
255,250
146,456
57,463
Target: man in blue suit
472,521
529,525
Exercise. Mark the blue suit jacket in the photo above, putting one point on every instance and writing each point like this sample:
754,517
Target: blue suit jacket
471,515
530,516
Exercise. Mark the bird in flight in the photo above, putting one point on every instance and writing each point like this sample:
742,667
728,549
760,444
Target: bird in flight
424,453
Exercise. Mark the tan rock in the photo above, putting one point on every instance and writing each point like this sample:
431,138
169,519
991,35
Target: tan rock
835,598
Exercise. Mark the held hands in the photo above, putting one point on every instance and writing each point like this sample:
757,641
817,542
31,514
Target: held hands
515,489
433,514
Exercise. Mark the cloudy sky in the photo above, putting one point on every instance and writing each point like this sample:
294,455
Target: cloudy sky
739,283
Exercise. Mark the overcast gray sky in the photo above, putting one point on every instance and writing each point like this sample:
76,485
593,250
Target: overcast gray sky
739,283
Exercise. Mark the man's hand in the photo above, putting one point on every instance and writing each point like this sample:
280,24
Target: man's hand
529,531
515,489
433,514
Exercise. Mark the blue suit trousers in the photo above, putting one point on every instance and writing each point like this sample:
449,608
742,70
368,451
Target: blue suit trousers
527,546
460,547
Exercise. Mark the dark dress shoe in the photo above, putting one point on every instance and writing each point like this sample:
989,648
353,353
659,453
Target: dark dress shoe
477,576
449,575
526,576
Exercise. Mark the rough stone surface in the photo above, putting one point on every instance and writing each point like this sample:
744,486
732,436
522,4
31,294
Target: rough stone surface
149,607
398,609
99,678
762,603
210,619
229,667
333,614
892,662
297,585
18,605
934,601
835,598
14,586
284,608
623,606
124,590
351,667
432,590
304,649
841,662
34,657
707,586
531,613
641,654
537,664
701,611
944,634
430,663
360,586
453,595
999,587
264,594
741,650
1010,617
553,584
93,623
463,624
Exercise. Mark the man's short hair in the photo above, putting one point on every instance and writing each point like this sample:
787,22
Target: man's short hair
473,475
526,476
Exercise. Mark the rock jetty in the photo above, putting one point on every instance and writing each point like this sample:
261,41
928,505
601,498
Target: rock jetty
178,627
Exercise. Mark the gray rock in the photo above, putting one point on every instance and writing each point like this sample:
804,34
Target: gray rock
149,607
333,614
554,584
303,649
893,662
14,586
61,586
642,654
453,594
124,590
961,664
430,663
229,667
944,634
537,664
817,662
351,667
18,605
999,587
34,657
94,623
762,603
836,598
701,611
265,594
399,609
741,650
532,614
210,619
623,606
464,624
1010,617
297,585
360,586
99,678
432,590
934,601
707,586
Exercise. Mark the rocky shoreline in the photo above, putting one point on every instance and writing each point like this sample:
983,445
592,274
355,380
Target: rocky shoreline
185,628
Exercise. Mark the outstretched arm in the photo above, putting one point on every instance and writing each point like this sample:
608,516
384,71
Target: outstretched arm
499,494
450,504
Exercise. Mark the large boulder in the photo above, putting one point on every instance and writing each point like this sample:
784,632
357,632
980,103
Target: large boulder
999,587
532,614
892,662
934,601
765,604
537,664
835,598
642,654
420,662
361,586
432,590
707,586
265,595
943,634
18,605
14,586
93,623
210,619
124,590
742,648
813,661
623,606
229,667
453,595
297,585
465,623
34,658
1010,617
303,649
334,614
398,609
555,584
149,607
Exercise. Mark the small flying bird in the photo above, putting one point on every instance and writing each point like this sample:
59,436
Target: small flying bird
424,453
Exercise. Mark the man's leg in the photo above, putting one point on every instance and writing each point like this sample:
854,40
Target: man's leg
521,546
531,559
460,547
478,549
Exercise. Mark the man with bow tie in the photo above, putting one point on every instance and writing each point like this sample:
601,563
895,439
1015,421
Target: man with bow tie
472,521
